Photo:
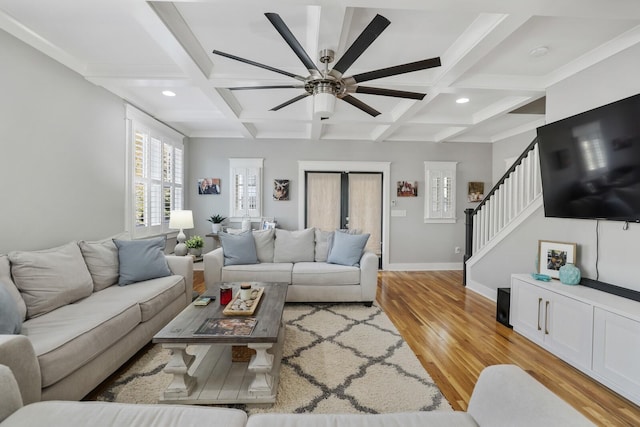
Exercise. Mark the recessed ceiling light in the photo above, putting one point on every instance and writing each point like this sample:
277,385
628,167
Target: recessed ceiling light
538,51
462,100
168,93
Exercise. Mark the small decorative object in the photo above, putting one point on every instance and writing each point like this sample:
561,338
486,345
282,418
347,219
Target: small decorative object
209,186
195,244
245,291
225,294
569,274
475,192
553,255
280,189
246,223
216,223
407,189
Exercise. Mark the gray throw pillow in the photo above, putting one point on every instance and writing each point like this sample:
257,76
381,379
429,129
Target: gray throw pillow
5,278
294,246
264,244
102,260
10,317
50,278
347,249
239,248
141,260
322,245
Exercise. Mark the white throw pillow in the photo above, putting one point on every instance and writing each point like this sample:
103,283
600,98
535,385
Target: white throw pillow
294,246
101,258
322,245
264,244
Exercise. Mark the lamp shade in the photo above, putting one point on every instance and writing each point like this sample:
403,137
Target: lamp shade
181,220
324,104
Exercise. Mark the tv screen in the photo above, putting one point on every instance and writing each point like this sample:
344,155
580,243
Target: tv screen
590,163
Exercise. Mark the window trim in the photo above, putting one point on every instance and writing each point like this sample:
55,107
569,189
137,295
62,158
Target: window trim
236,164
138,120
431,169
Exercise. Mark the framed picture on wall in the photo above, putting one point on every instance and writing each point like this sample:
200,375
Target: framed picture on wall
553,255
407,188
476,191
280,189
209,186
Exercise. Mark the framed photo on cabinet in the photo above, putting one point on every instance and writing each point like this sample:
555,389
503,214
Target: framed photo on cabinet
553,255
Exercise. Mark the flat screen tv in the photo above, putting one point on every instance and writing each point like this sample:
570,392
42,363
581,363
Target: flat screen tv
590,163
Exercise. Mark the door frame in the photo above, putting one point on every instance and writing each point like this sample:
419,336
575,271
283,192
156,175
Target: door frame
349,166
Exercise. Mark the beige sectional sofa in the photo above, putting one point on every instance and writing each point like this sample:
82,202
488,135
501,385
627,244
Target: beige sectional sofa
299,258
78,325
505,396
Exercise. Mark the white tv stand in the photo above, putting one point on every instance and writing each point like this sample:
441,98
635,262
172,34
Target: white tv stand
594,331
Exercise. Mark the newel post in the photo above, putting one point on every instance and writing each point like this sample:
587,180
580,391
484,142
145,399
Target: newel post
468,242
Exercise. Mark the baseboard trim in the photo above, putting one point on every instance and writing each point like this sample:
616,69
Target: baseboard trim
424,266
481,289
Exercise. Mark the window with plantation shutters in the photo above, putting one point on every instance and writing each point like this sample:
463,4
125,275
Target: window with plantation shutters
246,195
440,192
156,176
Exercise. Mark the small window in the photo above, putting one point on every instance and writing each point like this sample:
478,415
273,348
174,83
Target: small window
440,188
246,184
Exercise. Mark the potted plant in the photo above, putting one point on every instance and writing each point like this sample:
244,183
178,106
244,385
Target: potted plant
216,223
195,244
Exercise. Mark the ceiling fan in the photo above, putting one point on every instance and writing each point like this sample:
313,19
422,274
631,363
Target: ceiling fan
327,85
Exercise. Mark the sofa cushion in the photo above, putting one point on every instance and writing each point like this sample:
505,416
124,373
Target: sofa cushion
63,413
406,419
141,260
50,278
322,245
101,258
322,273
347,248
69,337
264,240
294,246
238,248
10,317
5,279
267,272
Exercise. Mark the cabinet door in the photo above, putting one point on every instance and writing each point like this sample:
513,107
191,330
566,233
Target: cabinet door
568,326
616,357
526,311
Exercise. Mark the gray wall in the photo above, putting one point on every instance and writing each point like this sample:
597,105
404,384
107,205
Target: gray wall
612,79
62,159
411,240
507,148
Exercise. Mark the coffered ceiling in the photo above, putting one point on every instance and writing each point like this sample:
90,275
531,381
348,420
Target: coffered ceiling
500,54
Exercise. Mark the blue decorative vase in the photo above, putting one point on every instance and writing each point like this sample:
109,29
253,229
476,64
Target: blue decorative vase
569,274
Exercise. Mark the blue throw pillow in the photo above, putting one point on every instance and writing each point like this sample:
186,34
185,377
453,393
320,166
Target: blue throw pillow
238,249
347,249
141,260
10,317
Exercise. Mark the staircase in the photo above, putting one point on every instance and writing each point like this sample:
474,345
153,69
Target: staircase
516,196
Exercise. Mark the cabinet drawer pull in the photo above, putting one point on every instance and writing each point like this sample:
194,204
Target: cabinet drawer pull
546,318
539,304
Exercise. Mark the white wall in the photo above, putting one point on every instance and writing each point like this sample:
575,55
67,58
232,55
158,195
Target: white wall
616,254
62,144
411,240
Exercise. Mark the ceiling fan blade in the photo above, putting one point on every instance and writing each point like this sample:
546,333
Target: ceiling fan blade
361,105
257,64
267,87
291,40
364,40
389,92
291,101
393,71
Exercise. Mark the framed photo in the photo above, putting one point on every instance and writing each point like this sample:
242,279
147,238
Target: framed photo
267,223
209,186
475,192
407,188
553,255
280,189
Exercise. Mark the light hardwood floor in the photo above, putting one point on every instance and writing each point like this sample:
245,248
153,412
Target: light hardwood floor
454,333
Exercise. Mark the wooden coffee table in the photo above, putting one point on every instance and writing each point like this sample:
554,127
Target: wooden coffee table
206,373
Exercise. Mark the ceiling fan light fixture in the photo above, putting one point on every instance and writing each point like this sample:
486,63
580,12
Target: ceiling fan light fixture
324,104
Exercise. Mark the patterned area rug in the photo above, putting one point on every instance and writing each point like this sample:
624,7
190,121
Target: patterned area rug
337,358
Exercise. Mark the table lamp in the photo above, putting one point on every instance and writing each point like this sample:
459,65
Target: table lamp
181,220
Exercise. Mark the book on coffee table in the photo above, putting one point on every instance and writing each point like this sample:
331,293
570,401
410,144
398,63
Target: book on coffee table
227,326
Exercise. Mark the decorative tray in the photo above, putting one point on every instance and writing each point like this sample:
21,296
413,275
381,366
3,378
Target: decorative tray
237,308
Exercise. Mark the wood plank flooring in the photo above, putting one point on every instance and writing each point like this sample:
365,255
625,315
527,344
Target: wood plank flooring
454,334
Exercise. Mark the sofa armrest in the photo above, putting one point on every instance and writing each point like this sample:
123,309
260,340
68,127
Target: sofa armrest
17,353
505,395
183,266
369,275
11,400
213,263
